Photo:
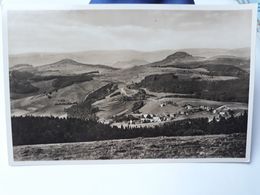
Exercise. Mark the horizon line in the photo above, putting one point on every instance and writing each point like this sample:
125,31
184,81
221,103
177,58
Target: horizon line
114,50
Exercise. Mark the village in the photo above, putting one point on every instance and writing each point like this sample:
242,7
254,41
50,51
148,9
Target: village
187,111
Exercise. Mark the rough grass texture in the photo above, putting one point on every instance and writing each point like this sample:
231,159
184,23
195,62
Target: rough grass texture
211,146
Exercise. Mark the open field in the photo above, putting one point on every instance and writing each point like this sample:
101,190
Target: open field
210,146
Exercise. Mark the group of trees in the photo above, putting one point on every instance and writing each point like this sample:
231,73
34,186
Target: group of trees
233,90
19,82
43,130
85,110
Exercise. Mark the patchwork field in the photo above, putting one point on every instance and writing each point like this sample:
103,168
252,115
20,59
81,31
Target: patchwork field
211,146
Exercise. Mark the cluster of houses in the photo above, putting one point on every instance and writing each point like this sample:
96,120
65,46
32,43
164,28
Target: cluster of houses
187,109
221,111
190,107
105,121
217,113
153,118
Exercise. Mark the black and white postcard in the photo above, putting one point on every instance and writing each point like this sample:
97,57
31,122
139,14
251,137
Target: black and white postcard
128,82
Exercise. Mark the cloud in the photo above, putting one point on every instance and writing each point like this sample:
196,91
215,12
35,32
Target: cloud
70,31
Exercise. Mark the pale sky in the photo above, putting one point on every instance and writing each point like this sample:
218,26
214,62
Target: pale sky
73,31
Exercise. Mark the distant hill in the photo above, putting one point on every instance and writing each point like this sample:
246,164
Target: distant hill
69,66
243,63
27,80
188,61
22,67
64,66
176,58
204,78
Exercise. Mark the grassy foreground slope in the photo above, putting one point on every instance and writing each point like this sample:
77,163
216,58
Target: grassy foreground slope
210,146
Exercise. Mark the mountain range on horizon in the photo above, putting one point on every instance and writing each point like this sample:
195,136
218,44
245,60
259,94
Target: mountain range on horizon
120,59
178,59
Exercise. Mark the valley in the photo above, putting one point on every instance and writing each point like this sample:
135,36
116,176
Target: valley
180,86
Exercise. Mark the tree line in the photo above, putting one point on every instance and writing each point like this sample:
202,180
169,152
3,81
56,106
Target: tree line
27,130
